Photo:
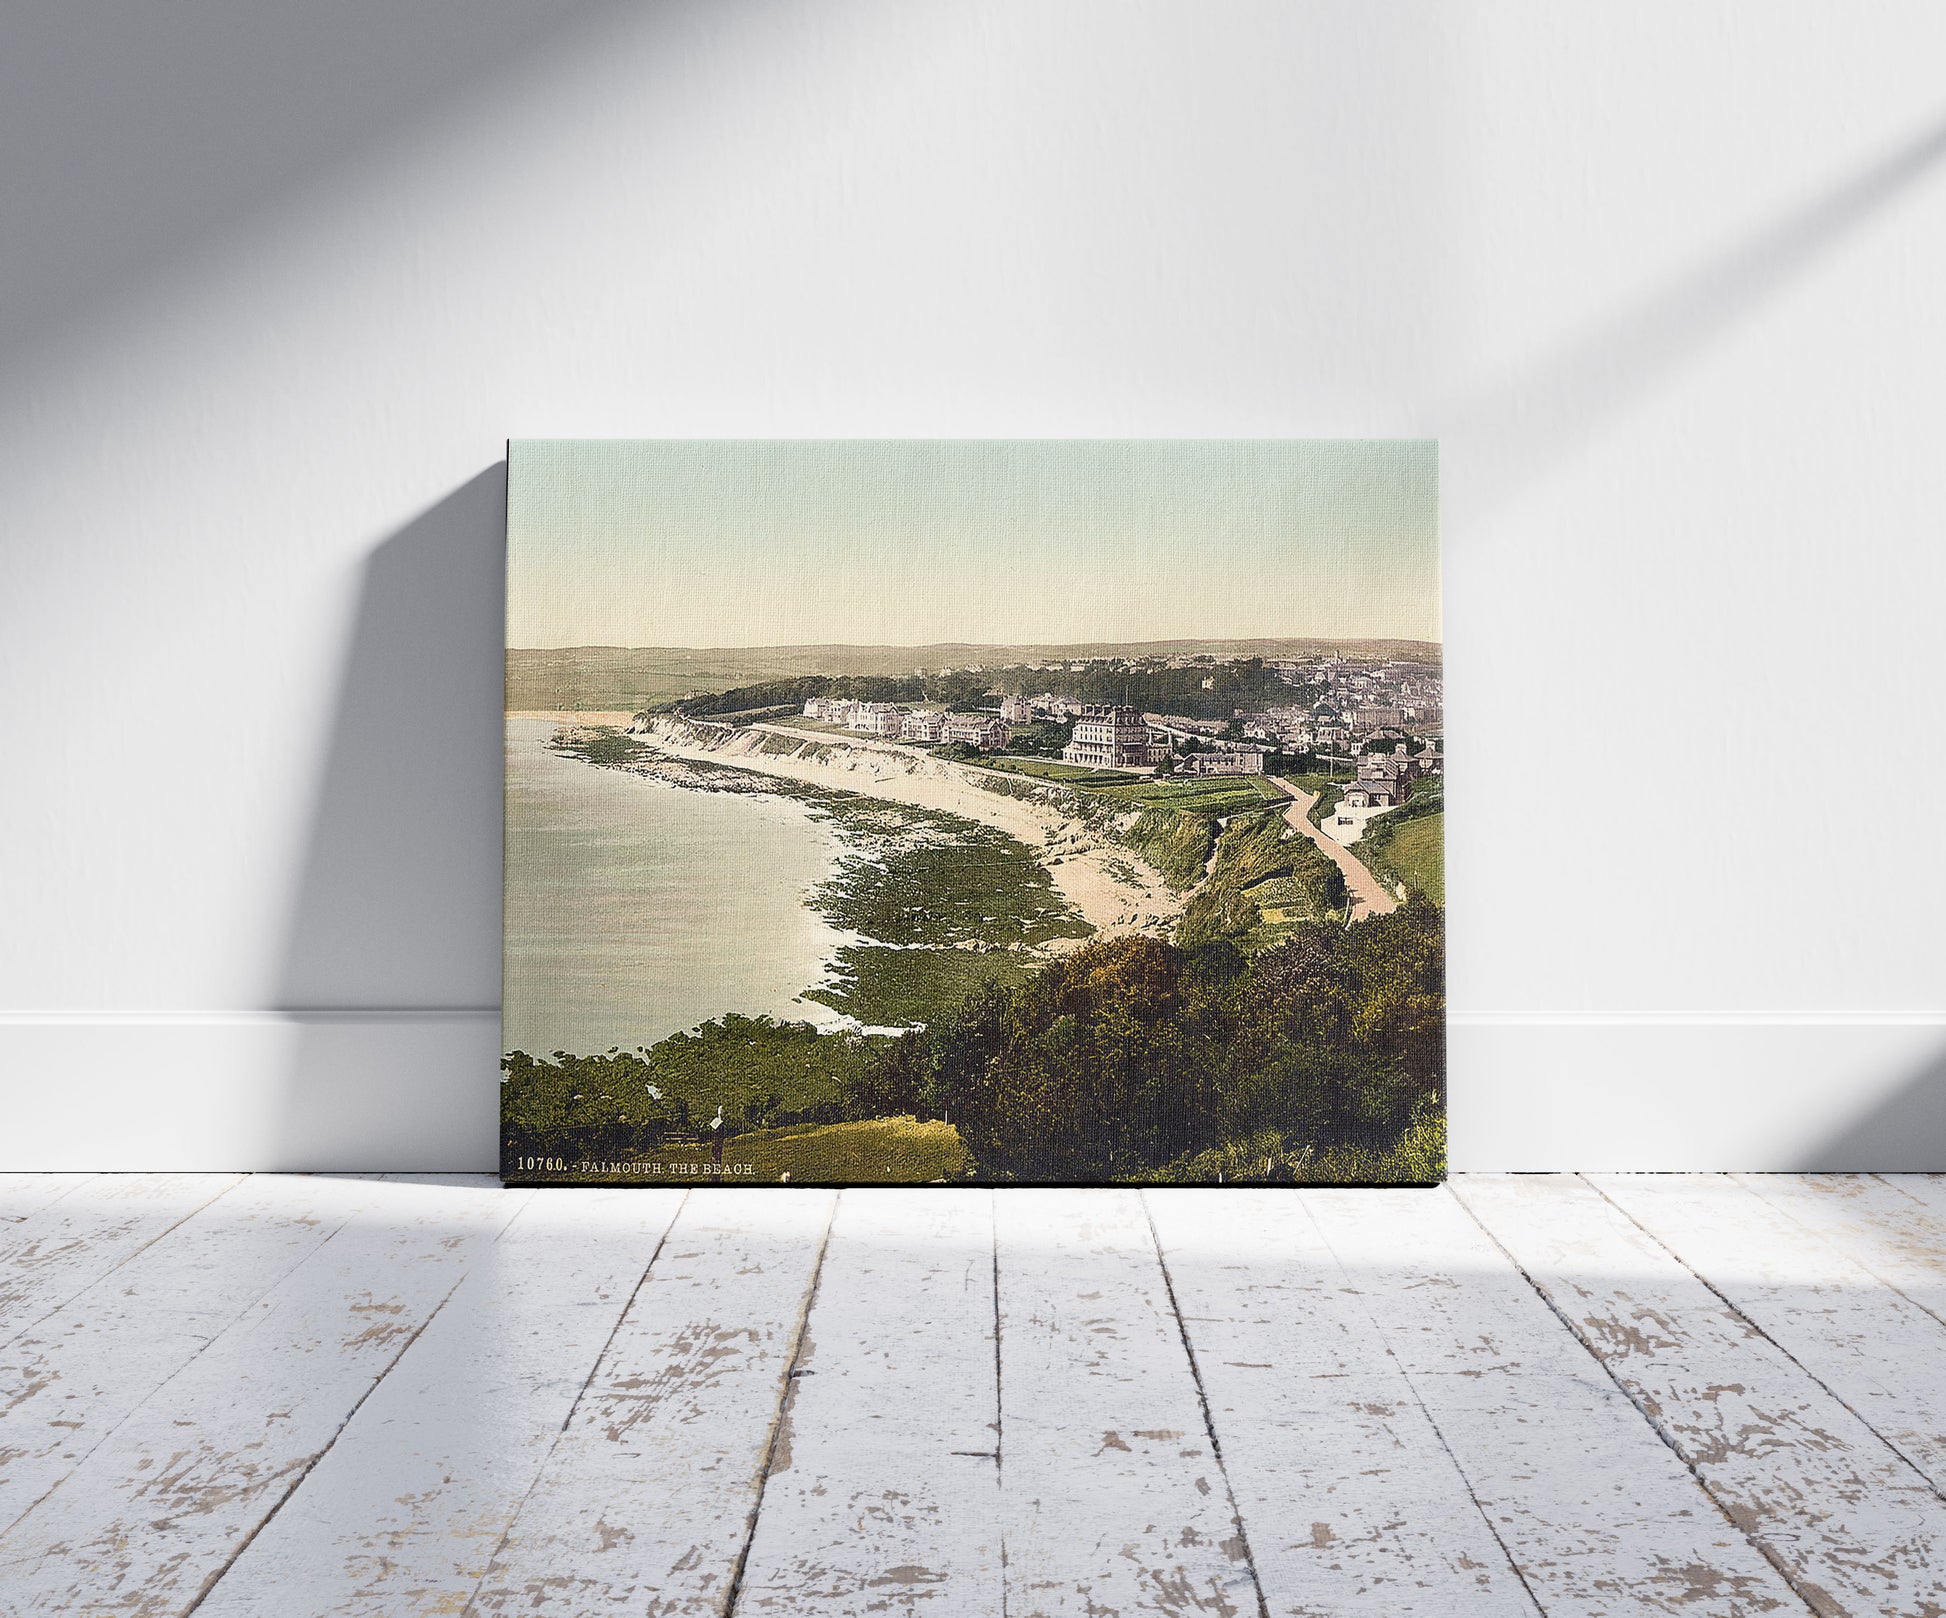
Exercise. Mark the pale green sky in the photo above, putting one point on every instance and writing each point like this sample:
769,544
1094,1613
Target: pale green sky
660,542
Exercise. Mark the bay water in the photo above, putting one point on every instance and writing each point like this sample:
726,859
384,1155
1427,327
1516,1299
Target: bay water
635,908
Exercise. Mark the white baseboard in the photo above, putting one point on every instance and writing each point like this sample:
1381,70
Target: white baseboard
1760,1092
250,1090
419,1090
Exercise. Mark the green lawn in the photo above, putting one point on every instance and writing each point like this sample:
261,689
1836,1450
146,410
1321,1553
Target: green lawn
1215,795
1412,852
897,1151
1218,795
1053,769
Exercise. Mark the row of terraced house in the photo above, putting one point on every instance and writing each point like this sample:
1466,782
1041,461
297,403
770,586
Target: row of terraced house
894,722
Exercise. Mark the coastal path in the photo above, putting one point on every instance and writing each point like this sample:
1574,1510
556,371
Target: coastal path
1369,896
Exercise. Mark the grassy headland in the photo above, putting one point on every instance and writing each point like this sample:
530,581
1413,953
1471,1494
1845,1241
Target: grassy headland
1408,844
1259,865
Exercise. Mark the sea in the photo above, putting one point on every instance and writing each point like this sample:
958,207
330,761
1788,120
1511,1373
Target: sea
635,909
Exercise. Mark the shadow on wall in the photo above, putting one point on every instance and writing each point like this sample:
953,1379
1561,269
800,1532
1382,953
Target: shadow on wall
1905,1133
392,960
134,140
1548,410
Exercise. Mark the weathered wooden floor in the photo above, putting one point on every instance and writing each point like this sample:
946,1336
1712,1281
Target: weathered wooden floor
284,1396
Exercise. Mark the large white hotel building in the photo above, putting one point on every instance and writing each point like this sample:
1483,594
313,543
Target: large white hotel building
1113,738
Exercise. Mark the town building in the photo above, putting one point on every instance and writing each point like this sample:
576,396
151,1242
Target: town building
878,718
1113,738
1015,710
1374,794
979,730
924,725
1239,761
1396,766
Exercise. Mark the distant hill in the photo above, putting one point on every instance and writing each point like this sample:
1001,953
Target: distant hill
615,677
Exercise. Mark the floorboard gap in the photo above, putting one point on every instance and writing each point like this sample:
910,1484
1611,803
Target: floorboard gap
780,1424
1756,1330
1202,1401
1814,1607
567,1421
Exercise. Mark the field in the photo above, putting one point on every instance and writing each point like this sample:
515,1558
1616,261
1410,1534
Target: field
1051,769
1412,852
1217,795
877,1149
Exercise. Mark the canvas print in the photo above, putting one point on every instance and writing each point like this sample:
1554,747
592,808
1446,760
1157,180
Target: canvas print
974,812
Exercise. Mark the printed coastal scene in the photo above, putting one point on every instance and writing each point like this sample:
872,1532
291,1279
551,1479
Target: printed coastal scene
982,812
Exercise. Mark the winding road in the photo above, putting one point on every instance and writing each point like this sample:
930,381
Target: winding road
1369,896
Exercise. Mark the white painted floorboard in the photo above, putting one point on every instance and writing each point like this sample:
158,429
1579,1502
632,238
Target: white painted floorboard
1601,1396
1597,1513
71,1379
1351,1502
883,1493
1839,1510
1113,1498
157,1511
647,1501
60,1246
407,1508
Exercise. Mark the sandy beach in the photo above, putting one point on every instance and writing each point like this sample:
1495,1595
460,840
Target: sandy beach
1076,861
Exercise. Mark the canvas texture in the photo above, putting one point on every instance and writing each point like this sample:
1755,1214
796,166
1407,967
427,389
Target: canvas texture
984,812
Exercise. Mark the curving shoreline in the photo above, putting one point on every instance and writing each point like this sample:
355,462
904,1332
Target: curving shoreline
1075,859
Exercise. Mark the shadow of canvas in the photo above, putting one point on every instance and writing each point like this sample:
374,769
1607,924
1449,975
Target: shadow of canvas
1519,429
1905,1134
391,970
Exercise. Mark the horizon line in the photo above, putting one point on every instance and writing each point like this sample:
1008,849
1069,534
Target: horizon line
978,645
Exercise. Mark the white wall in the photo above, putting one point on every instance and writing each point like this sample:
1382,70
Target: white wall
1664,278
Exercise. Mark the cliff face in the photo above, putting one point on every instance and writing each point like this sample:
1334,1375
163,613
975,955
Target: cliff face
757,744
683,732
